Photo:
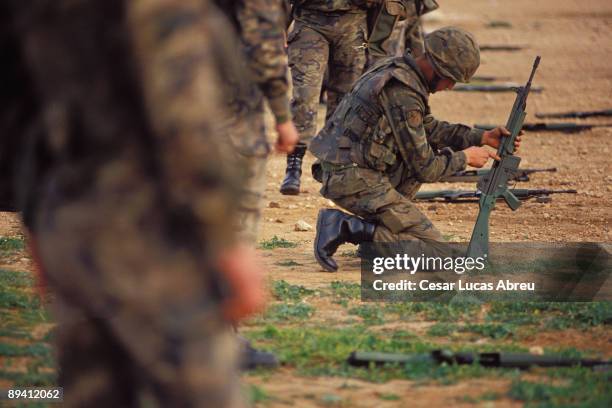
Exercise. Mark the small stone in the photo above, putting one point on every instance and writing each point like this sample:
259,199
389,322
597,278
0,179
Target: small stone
273,204
331,203
546,216
292,206
302,225
278,221
432,208
537,350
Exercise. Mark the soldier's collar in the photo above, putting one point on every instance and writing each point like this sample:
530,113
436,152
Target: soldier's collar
412,63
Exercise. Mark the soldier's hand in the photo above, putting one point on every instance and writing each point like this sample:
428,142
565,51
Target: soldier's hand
243,273
479,156
493,137
287,137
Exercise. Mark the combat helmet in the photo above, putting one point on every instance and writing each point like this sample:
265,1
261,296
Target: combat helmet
453,53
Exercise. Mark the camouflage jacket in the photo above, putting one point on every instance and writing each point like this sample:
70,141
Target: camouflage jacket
260,25
359,132
336,5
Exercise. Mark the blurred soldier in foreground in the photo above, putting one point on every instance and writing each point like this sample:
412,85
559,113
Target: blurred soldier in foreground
128,199
382,142
326,35
260,26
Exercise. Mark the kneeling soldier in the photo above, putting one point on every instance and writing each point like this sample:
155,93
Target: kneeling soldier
382,142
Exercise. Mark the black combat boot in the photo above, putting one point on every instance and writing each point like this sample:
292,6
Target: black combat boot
335,228
291,183
251,358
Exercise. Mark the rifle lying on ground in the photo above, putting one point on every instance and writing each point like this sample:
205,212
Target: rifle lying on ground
575,114
468,176
455,196
492,88
491,47
479,78
503,360
565,127
495,184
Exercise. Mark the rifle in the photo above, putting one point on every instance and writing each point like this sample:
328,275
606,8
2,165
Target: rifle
510,87
484,78
468,176
495,184
495,359
565,127
490,47
455,196
575,114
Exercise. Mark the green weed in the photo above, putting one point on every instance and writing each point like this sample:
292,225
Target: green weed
285,311
346,290
285,291
277,242
11,244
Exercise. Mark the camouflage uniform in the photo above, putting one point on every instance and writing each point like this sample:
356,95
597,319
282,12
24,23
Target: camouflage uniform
131,207
398,28
326,35
260,25
364,170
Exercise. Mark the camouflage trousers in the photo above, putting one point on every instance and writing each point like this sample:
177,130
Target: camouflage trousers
370,195
250,150
138,306
320,41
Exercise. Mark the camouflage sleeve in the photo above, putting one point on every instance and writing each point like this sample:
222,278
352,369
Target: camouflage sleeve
443,134
263,36
176,43
407,115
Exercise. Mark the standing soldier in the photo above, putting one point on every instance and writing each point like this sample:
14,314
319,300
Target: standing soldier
130,206
396,27
260,26
326,35
382,143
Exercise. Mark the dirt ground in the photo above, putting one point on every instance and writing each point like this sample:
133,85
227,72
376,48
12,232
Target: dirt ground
573,38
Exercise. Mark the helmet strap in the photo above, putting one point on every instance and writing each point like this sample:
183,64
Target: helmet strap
435,80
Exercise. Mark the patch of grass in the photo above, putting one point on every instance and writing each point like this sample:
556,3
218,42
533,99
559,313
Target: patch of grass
16,299
349,253
277,242
389,397
552,315
487,396
285,311
30,379
492,330
346,290
257,395
285,291
441,312
287,263
371,314
31,350
442,329
11,244
580,387
15,279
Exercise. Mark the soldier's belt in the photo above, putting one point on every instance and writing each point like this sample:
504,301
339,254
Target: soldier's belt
331,167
